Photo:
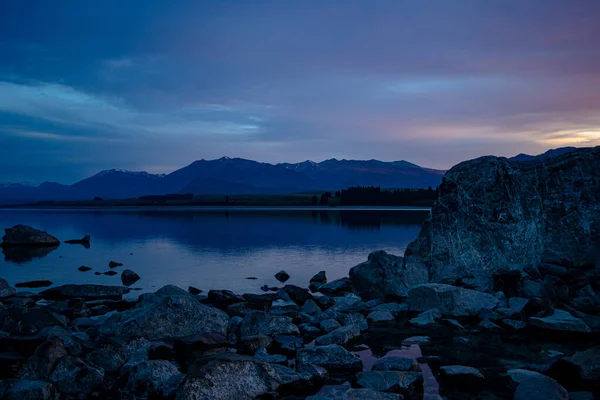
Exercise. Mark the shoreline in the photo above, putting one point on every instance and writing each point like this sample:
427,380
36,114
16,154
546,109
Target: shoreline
212,208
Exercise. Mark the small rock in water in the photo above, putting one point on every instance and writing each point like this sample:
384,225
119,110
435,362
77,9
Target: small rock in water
110,273
83,268
128,277
194,290
282,276
251,277
114,264
97,273
84,240
34,284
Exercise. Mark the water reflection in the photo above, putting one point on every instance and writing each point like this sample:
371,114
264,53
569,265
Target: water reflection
20,255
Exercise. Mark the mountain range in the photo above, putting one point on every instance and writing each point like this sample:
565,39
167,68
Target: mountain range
230,176
239,176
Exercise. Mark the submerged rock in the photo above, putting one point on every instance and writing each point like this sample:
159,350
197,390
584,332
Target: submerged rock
450,300
84,240
383,275
114,264
83,268
86,292
34,284
23,235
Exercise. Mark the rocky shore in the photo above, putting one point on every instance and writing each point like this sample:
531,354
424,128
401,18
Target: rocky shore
498,298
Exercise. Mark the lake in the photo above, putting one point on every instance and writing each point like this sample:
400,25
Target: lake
209,248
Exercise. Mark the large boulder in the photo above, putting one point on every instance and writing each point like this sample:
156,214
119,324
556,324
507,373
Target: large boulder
450,300
26,236
228,376
332,358
540,388
85,292
493,212
384,275
159,316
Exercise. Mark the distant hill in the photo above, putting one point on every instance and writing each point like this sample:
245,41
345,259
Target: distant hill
230,176
548,154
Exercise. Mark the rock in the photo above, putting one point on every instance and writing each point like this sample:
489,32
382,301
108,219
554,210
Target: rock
293,382
10,365
253,343
588,362
517,376
282,307
110,355
23,235
114,264
416,340
5,289
83,268
336,288
310,307
461,371
581,396
450,300
395,308
288,343
85,292
33,284
158,378
42,362
492,212
161,351
109,273
193,290
395,363
407,383
332,358
74,376
383,275
317,281
461,378
157,317
32,320
259,322
487,325
190,347
427,319
228,376
353,319
297,294
84,241
30,390
282,276
329,325
540,388
223,298
381,318
560,321
453,323
514,325
363,394
533,289
128,277
341,335
261,354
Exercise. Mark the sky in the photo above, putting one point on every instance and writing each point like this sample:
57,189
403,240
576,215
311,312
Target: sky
154,85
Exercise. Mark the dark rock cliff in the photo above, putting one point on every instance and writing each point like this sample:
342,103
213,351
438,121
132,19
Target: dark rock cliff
495,215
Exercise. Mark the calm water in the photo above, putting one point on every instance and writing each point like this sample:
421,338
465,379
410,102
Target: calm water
208,248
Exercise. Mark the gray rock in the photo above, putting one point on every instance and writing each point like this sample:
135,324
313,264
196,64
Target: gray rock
336,288
329,325
364,394
42,362
128,277
492,212
461,370
228,376
426,319
341,335
157,317
310,307
282,276
259,322
26,236
5,289
516,376
488,325
395,308
407,383
354,319
416,340
74,376
588,362
348,303
114,264
85,292
381,318
331,392
540,388
514,325
317,281
332,358
110,355
383,275
30,390
560,321
533,289
450,300
84,241
261,354
253,343
395,363
155,378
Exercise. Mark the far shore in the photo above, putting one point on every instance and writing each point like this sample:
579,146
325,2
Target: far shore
184,207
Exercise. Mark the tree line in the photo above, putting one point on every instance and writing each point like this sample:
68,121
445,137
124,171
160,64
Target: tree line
375,196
